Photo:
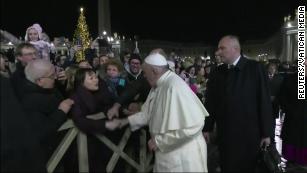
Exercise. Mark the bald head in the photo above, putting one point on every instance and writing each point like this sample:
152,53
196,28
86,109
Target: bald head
229,49
37,69
233,40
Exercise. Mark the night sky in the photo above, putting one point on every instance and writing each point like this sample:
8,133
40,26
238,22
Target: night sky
201,21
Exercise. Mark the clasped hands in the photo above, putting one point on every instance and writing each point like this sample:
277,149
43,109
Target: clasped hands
120,123
116,124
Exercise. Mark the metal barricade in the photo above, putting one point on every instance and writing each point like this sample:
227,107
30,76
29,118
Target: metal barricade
74,132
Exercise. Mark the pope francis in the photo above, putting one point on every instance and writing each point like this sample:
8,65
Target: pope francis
175,117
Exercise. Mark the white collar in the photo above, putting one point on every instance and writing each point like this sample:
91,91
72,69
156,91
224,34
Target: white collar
236,61
161,79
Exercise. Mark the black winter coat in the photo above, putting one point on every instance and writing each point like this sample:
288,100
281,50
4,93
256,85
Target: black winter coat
238,100
41,106
20,149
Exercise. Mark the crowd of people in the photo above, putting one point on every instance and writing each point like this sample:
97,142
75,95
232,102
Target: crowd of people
181,103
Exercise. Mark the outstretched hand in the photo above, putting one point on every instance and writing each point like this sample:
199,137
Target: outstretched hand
113,124
116,124
113,112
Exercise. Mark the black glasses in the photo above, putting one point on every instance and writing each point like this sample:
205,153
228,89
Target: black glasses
135,63
52,76
30,54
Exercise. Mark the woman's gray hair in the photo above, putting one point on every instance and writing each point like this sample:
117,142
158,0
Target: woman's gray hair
37,69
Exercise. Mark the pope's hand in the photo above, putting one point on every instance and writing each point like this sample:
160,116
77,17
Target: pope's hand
112,125
123,122
152,145
207,137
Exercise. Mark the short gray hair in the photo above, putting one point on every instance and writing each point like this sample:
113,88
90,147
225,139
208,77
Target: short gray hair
235,40
37,68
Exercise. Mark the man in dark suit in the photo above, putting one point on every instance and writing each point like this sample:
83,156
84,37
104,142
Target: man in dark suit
238,100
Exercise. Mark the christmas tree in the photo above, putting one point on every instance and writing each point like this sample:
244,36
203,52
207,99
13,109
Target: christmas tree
81,37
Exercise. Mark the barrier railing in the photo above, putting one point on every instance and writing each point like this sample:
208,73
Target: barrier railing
74,132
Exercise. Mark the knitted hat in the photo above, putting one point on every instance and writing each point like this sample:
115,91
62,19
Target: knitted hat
38,28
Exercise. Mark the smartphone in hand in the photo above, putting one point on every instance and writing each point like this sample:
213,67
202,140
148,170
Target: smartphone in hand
60,73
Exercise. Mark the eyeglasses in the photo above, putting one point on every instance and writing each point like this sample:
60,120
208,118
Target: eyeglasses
30,54
135,63
52,76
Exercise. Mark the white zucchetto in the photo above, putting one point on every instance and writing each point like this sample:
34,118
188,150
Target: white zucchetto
156,59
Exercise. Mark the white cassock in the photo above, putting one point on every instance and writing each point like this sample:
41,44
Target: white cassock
175,117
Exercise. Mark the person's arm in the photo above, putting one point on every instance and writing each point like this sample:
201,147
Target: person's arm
113,112
174,139
127,95
47,123
210,103
87,125
130,92
138,120
265,106
208,127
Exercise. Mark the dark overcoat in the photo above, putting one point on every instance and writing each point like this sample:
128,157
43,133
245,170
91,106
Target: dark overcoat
41,106
20,149
238,100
